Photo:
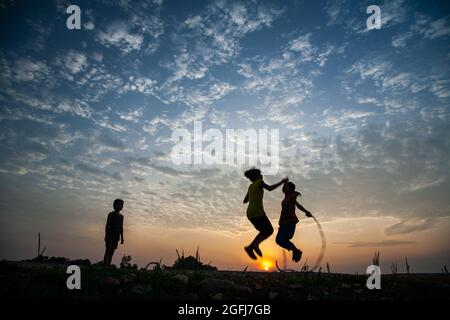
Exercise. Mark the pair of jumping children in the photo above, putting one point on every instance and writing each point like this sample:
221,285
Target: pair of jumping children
257,215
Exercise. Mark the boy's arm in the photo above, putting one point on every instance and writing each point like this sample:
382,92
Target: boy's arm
246,198
308,214
274,186
121,231
107,224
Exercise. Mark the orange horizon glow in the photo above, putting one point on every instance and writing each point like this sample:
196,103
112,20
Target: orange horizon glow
266,264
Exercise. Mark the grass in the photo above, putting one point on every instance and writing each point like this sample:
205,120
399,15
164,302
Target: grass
190,279
41,280
407,265
376,258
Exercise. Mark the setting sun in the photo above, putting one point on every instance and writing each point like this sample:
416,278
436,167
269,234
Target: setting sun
266,265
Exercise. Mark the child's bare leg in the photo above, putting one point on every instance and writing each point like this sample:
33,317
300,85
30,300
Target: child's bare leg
260,237
106,256
283,239
265,229
111,255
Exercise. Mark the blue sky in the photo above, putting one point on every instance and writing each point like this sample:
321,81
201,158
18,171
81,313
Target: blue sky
86,116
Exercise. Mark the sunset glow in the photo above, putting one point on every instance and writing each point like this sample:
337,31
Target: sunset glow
266,265
360,118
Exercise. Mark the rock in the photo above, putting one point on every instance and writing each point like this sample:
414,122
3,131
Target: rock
127,279
273,295
141,289
295,286
217,296
245,290
258,286
182,278
110,282
211,286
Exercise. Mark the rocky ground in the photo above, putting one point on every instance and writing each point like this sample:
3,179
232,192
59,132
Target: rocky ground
35,280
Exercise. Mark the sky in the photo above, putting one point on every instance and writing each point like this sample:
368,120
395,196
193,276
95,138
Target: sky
87,116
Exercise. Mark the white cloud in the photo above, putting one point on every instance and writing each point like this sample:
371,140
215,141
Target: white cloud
118,34
348,15
183,120
89,25
335,9
213,37
437,28
140,84
214,92
77,107
393,12
423,26
74,61
367,100
132,116
344,119
441,88
303,45
411,225
97,56
27,69
399,41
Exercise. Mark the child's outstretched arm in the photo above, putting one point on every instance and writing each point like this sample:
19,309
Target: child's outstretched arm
246,198
274,186
308,214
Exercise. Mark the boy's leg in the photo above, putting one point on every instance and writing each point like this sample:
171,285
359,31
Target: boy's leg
285,233
111,255
263,225
296,252
106,259
114,245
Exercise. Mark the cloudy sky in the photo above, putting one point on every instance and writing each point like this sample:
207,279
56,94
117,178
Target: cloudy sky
86,116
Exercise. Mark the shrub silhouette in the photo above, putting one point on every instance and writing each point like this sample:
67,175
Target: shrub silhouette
125,263
191,263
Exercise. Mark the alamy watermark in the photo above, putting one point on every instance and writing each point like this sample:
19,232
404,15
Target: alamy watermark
374,20
374,280
234,147
74,280
74,20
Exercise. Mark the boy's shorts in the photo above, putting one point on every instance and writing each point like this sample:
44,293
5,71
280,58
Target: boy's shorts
112,242
286,231
262,224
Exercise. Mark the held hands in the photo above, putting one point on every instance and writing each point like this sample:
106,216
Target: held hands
308,214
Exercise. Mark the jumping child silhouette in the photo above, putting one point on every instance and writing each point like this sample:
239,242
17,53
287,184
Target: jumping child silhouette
255,209
113,231
288,220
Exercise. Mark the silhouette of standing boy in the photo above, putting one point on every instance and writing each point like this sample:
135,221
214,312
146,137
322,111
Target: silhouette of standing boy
255,209
288,220
113,231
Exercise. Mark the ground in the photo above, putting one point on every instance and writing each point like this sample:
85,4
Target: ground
36,280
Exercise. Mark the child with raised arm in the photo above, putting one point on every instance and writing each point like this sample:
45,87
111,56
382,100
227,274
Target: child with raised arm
255,209
113,231
289,220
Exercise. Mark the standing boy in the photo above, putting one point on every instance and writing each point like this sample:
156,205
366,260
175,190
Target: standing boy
113,231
